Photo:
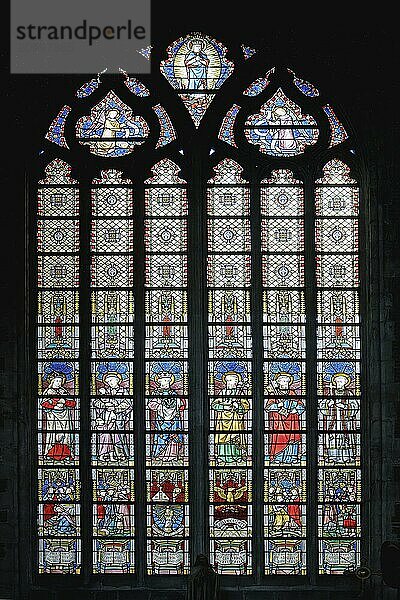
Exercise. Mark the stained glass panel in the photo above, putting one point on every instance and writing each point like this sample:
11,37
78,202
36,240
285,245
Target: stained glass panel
226,133
135,86
60,556
112,404
338,373
338,132
56,132
230,440
259,84
195,66
111,129
58,416
167,131
166,372
88,88
280,128
282,231
248,52
306,88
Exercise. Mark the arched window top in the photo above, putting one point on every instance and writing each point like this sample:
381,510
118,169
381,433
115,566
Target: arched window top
58,171
336,172
196,62
165,172
227,171
111,177
197,68
281,177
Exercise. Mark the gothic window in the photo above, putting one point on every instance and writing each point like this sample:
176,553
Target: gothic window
198,362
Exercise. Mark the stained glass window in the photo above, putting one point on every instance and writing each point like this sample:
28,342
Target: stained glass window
198,357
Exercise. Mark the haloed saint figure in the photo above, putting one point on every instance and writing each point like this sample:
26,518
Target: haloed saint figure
57,412
197,62
166,412
284,413
338,412
112,412
230,409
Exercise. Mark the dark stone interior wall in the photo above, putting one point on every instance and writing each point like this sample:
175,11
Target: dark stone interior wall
356,67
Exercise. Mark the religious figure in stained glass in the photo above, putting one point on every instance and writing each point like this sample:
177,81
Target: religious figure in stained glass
284,414
340,485
280,128
59,486
113,519
196,68
231,378
112,414
229,423
111,129
230,408
59,519
166,414
284,423
285,520
167,520
58,412
285,486
340,520
112,378
285,378
196,63
339,412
